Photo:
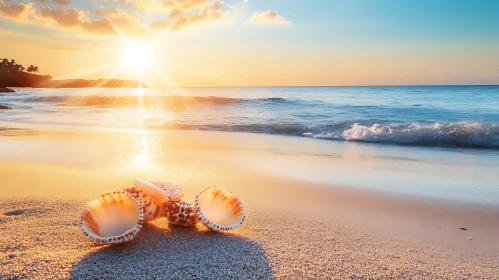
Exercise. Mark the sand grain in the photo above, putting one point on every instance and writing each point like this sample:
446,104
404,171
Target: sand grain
45,242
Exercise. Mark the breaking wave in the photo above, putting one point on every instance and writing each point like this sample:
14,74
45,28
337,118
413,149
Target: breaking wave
471,134
464,134
409,123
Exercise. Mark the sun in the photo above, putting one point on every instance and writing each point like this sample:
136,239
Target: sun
137,56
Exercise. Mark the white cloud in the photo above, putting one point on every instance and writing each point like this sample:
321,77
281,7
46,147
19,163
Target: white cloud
114,20
62,2
179,16
18,12
268,17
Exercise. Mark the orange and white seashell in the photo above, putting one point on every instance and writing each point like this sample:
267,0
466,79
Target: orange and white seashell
112,218
219,209
173,191
182,213
153,195
151,210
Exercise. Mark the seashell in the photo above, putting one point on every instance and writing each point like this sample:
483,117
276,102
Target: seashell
182,213
112,218
151,210
173,191
154,194
219,209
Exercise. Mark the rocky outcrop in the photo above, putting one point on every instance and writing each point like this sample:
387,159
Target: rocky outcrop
4,107
5,90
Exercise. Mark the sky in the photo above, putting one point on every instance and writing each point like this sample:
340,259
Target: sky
209,43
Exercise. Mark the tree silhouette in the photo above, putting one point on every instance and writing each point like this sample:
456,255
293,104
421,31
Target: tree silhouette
13,74
33,69
11,66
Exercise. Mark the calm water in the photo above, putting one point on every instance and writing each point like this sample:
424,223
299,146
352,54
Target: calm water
420,115
438,141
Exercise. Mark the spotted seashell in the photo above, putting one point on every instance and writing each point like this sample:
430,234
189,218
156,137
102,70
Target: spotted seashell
154,195
182,213
219,209
151,210
112,218
173,191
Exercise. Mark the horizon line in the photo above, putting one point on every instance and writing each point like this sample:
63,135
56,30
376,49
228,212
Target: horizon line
401,85
275,86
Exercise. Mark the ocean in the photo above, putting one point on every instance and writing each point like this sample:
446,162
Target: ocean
443,116
437,141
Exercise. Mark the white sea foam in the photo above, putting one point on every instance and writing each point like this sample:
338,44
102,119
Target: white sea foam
455,134
429,116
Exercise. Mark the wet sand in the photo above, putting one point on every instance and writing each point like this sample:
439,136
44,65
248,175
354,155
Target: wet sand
296,229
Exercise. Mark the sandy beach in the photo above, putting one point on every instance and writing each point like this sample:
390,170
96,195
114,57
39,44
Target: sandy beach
296,139
296,229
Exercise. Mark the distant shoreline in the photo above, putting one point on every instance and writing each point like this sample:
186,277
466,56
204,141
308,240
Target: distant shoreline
82,83
77,83
13,74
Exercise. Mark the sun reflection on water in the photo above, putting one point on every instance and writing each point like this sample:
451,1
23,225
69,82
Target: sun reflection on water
143,157
139,91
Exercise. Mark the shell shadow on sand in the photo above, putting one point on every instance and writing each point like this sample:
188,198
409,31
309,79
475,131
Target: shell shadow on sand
177,253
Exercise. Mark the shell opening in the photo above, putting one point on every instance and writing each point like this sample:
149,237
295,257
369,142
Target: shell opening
158,195
220,206
111,215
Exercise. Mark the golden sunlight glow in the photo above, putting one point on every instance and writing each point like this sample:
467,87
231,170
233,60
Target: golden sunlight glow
137,56
140,91
143,157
